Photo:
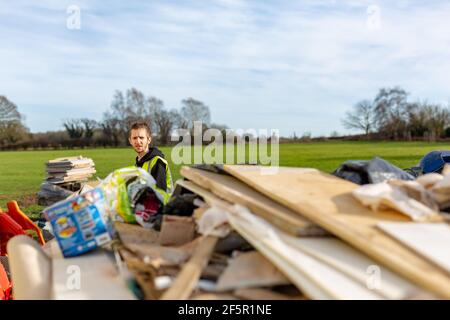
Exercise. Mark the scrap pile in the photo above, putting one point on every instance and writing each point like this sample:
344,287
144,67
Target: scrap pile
64,176
251,232
291,234
63,171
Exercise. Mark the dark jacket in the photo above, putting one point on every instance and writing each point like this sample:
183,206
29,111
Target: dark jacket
159,169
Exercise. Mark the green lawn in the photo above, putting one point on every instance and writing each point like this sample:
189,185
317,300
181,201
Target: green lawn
23,171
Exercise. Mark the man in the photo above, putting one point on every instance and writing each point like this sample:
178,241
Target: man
149,158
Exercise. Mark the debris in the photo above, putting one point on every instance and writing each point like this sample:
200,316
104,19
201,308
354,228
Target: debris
82,223
235,191
135,234
373,171
250,270
385,195
50,193
428,239
132,196
214,222
176,230
314,278
327,201
181,205
71,169
233,241
189,275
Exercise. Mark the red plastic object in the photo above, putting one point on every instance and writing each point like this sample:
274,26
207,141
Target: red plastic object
8,229
5,285
23,220
15,222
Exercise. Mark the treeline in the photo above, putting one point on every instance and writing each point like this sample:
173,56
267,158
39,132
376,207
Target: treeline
112,131
391,116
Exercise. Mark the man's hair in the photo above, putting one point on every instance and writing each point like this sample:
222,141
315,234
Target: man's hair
140,125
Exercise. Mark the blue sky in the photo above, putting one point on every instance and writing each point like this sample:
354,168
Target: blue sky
288,65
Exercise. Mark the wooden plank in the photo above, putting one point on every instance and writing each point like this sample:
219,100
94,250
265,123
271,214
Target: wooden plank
250,269
207,196
188,277
314,278
327,201
355,265
430,240
234,191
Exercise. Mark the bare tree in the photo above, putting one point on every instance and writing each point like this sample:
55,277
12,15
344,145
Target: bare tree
194,110
362,117
391,112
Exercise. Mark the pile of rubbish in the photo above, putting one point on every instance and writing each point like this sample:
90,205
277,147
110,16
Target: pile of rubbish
64,177
369,231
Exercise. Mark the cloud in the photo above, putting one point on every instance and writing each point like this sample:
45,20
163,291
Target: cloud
291,65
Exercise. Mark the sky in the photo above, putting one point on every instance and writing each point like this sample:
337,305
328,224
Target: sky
296,66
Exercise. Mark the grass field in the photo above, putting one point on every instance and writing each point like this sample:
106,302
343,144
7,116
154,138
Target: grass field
22,172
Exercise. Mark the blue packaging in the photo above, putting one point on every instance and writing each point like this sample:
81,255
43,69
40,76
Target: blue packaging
82,223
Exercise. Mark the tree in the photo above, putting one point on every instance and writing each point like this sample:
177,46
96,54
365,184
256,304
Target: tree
391,112
89,127
194,110
12,130
111,130
362,117
74,128
166,121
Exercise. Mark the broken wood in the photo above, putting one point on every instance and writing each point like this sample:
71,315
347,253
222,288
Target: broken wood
327,201
235,191
176,230
250,269
314,278
190,273
135,234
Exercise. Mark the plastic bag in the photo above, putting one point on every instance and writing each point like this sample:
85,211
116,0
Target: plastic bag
373,171
132,196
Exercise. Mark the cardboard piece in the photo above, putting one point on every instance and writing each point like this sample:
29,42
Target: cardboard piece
176,230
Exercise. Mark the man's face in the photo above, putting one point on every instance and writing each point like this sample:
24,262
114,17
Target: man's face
139,140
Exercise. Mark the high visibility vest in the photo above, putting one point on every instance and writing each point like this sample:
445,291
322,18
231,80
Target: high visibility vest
148,166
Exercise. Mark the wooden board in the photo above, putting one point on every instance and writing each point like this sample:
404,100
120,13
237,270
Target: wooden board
314,278
210,198
354,264
327,201
431,240
188,277
234,191
249,270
